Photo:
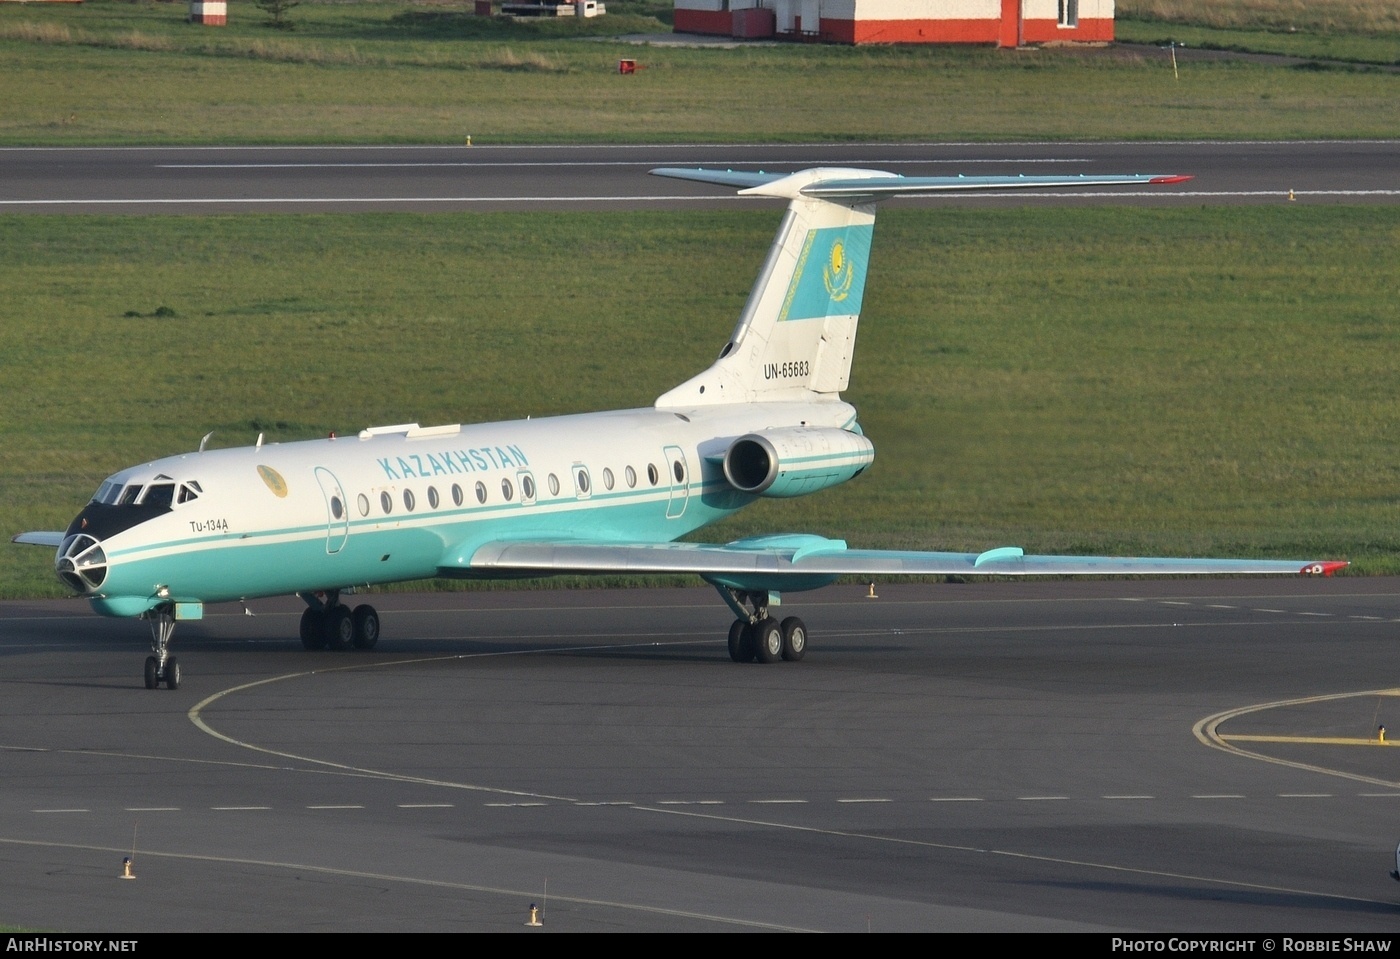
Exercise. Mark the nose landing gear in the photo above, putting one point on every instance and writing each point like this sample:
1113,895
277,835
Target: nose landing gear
161,667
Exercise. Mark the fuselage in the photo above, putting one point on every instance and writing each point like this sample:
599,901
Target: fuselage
405,502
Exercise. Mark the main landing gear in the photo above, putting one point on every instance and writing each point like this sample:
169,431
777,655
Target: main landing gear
756,636
161,667
328,623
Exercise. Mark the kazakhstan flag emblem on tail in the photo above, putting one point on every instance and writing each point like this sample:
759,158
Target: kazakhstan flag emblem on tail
829,276
838,273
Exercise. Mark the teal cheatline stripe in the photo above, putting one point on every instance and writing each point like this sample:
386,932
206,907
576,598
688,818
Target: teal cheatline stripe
830,275
264,566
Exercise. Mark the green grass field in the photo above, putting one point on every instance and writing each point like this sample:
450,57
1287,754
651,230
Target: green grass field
1183,381
118,72
1207,380
1341,48
1360,31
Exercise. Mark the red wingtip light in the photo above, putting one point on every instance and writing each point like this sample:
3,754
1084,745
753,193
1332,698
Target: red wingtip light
1172,179
1323,569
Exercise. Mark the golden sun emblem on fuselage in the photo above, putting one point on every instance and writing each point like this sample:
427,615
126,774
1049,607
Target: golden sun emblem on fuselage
274,481
838,273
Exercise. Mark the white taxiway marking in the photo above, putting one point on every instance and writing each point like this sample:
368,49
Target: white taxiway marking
1029,857
777,802
610,802
575,147
520,895
592,163
1177,194
691,802
246,201
1284,193
790,801
653,198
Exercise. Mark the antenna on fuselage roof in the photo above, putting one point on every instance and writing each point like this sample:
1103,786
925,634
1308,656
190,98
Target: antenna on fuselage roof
204,442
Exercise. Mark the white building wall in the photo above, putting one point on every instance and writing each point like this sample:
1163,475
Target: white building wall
917,9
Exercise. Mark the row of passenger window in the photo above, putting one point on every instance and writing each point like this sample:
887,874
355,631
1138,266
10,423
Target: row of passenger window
582,488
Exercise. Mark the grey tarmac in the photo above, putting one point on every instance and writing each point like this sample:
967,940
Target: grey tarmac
201,180
998,756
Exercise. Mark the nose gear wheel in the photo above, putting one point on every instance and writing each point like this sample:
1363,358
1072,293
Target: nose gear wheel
161,667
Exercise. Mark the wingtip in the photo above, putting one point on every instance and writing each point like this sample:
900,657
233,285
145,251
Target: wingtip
1174,178
1324,568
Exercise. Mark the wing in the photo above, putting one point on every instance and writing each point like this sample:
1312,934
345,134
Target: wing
53,539
799,561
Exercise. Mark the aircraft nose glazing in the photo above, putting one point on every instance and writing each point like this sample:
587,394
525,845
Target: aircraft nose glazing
81,563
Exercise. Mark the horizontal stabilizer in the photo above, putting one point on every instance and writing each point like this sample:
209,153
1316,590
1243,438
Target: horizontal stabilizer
847,183
734,178
893,186
40,539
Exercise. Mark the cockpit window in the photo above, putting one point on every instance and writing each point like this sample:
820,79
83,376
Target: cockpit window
162,492
159,495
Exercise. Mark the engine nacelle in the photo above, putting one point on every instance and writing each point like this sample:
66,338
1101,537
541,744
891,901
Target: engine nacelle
793,462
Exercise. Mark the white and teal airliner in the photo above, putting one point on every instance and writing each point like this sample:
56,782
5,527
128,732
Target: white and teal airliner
607,492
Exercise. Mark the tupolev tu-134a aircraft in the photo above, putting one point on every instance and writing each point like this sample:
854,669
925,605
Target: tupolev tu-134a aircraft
591,493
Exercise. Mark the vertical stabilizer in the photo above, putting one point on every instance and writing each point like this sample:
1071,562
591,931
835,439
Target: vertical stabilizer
797,332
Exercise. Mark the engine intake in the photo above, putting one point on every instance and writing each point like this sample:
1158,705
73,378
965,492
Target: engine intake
794,462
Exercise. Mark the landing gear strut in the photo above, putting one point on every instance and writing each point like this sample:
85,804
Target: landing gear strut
757,636
161,667
329,623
